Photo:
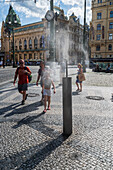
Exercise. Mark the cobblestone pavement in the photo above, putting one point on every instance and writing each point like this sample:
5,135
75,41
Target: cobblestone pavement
30,139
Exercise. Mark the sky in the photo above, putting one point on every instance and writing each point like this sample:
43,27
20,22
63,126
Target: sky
30,12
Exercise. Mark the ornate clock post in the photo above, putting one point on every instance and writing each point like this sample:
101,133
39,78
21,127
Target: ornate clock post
50,18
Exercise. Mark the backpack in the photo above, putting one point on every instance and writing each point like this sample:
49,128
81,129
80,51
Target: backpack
29,76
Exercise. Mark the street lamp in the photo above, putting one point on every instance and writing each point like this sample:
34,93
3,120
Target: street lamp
12,21
84,36
10,29
50,18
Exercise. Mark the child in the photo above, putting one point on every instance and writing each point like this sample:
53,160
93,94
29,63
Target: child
46,90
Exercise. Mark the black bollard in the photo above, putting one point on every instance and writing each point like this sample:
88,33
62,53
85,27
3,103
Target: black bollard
67,106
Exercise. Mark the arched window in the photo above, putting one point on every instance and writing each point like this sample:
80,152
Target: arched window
111,14
30,43
99,27
42,42
16,46
98,48
25,44
35,43
20,44
110,47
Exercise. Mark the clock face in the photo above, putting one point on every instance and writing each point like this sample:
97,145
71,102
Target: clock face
49,15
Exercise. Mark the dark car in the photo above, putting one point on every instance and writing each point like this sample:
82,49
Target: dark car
92,64
38,62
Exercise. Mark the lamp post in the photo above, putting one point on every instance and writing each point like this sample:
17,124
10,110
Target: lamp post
84,36
52,38
10,28
50,18
12,21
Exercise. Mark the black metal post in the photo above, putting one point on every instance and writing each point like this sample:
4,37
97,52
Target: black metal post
66,69
84,36
52,38
67,106
9,43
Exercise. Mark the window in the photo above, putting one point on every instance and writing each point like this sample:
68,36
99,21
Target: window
25,56
98,15
99,27
42,42
35,56
111,25
99,1
20,44
16,48
110,36
30,44
98,48
35,43
40,55
98,36
111,3
30,56
110,47
20,56
111,14
25,44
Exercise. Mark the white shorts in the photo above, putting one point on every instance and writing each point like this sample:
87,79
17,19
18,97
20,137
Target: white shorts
47,92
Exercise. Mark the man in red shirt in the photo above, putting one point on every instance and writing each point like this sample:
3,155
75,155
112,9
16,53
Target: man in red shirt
22,72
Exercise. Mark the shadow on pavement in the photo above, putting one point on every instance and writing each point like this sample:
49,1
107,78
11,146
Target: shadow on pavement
38,125
43,153
21,110
8,108
30,158
2,91
75,93
27,120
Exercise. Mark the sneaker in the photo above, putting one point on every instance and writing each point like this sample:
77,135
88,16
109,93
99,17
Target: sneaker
26,96
49,108
23,102
44,110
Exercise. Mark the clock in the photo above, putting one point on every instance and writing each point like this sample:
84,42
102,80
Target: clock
49,15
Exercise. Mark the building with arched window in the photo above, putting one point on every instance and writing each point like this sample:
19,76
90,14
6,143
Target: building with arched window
32,41
101,30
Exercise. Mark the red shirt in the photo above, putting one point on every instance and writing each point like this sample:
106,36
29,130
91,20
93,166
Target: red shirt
23,78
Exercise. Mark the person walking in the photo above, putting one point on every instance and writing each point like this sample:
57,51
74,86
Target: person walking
22,73
46,90
77,80
40,77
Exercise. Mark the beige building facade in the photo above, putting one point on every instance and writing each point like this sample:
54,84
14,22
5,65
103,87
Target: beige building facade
31,42
101,30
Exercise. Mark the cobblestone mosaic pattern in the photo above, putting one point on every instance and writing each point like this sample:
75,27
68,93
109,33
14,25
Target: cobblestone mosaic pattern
30,139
